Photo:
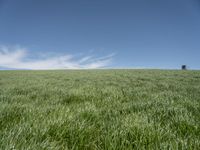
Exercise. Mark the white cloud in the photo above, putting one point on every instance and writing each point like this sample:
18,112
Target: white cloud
19,58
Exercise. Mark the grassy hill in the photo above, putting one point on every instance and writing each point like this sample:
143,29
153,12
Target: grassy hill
100,109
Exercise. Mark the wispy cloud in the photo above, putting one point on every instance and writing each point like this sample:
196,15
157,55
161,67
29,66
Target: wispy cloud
20,58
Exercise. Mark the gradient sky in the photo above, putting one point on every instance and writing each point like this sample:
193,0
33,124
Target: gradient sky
99,33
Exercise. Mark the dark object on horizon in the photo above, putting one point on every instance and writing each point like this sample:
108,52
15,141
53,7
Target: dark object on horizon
184,67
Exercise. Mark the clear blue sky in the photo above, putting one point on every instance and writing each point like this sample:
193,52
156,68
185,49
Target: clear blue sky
135,33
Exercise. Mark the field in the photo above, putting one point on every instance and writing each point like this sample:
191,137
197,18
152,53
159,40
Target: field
100,109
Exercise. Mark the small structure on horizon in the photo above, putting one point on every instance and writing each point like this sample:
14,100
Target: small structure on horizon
184,67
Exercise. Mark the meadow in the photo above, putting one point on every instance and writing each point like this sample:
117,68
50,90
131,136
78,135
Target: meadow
100,109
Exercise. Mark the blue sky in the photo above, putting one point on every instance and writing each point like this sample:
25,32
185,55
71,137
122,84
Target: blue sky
59,34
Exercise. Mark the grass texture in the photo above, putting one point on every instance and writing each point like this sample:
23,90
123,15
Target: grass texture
100,109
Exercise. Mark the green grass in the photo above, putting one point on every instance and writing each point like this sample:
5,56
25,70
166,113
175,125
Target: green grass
100,109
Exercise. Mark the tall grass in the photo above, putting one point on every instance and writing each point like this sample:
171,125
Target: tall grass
100,109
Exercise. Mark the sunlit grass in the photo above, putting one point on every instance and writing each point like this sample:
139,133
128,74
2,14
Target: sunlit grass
100,109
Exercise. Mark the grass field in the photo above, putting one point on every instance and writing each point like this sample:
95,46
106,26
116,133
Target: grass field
100,109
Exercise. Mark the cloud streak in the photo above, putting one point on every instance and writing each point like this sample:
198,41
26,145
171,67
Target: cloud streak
19,58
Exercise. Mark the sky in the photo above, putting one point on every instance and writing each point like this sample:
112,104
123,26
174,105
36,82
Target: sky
89,34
